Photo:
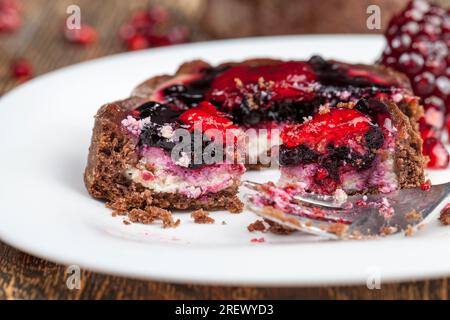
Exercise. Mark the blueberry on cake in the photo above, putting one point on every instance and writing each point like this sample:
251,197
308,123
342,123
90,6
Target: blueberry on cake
343,127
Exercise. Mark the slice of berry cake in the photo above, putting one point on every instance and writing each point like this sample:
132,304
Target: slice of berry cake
350,127
368,146
146,154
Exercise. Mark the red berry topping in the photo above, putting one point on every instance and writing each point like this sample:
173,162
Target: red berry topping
340,127
22,70
419,44
85,35
436,152
285,80
426,186
10,17
206,116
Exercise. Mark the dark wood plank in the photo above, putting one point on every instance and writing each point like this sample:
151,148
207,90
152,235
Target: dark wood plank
25,277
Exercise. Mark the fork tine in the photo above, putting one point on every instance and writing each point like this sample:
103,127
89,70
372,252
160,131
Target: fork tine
306,198
277,216
321,200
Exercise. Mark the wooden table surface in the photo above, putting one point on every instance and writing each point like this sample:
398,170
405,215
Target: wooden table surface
25,277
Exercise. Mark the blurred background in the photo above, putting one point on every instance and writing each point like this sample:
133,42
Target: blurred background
33,40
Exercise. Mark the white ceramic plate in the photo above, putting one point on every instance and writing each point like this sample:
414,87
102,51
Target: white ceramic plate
45,210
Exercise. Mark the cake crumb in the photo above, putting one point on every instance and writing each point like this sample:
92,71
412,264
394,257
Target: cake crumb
340,196
224,223
239,83
386,231
277,228
413,215
258,225
323,109
116,213
150,214
409,231
338,229
258,240
202,217
445,215
126,222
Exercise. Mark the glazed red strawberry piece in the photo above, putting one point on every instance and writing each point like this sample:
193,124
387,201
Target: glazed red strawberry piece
206,117
338,127
270,83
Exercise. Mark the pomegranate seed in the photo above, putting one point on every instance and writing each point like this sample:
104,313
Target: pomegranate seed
126,32
426,130
424,83
434,112
22,70
436,152
158,40
418,44
137,42
411,63
426,186
84,36
148,28
435,65
448,128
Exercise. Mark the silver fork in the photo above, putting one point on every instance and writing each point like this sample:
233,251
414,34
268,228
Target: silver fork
358,217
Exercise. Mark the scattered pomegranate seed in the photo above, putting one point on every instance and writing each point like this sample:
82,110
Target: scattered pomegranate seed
84,36
137,42
22,70
149,29
257,240
426,130
426,186
10,16
436,152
